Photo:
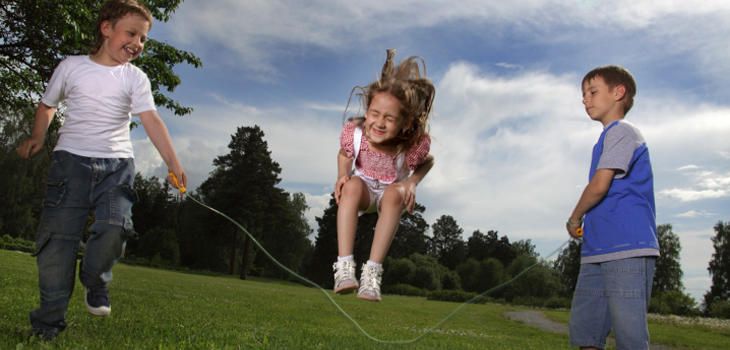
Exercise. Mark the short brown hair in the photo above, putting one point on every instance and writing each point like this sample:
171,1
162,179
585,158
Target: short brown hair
615,75
112,11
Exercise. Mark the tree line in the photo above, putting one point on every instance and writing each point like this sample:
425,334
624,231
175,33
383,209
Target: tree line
174,232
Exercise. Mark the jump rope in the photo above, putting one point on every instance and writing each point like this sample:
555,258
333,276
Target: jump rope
183,191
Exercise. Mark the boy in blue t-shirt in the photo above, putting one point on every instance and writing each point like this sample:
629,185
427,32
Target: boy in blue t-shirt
620,244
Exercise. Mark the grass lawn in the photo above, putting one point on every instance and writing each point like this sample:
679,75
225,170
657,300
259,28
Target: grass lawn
158,309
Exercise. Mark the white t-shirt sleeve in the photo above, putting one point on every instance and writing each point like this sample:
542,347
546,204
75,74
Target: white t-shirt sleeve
142,99
55,91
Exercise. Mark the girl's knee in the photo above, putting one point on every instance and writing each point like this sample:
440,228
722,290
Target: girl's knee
393,197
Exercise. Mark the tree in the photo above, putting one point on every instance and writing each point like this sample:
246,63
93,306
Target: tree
244,183
524,247
446,245
480,246
719,267
567,265
540,281
38,34
285,235
411,235
24,180
668,271
325,246
479,276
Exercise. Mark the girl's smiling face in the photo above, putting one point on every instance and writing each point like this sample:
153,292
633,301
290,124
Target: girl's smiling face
383,120
124,40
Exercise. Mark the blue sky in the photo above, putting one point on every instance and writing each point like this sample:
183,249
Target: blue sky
511,139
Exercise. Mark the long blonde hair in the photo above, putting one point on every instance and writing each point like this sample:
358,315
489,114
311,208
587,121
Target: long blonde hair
415,92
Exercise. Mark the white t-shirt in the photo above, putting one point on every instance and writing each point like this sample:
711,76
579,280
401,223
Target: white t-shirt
99,103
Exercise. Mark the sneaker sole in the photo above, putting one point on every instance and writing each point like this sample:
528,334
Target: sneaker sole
347,289
365,297
97,311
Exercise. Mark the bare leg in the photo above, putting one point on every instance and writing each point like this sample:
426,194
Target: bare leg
391,207
354,197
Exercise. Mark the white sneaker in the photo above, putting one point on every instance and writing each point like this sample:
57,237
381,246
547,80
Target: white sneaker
345,280
370,282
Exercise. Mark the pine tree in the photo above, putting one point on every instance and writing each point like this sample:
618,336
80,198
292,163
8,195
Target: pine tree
719,266
668,272
567,265
243,185
446,245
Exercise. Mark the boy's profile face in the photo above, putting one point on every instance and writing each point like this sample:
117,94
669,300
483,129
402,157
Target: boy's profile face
603,102
123,40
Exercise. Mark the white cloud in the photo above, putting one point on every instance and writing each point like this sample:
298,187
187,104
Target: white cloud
258,31
508,65
305,146
688,167
695,214
708,185
317,204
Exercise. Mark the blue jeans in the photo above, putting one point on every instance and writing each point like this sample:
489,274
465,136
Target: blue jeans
612,295
76,187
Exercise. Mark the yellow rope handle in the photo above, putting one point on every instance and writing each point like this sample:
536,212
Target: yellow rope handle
176,184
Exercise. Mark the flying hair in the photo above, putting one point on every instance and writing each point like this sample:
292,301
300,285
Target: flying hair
406,83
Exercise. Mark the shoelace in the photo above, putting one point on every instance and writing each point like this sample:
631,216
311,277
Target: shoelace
344,271
371,278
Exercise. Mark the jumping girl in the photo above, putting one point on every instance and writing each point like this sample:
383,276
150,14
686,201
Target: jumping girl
385,145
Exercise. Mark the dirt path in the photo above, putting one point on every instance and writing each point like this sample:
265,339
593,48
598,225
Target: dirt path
538,320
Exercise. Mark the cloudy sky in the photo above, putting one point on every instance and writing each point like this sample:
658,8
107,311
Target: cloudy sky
511,140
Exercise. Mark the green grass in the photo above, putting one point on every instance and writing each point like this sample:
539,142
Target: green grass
158,309
674,335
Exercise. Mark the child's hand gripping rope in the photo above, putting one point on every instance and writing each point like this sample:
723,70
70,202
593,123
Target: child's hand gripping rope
176,184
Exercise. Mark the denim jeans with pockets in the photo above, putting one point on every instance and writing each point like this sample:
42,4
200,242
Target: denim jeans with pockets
612,295
76,187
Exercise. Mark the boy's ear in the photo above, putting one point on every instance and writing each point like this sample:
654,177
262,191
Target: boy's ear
106,28
619,91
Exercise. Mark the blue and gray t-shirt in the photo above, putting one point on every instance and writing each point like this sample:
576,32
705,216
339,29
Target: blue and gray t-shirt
622,225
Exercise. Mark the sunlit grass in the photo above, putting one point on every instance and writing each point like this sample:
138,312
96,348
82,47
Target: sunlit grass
158,309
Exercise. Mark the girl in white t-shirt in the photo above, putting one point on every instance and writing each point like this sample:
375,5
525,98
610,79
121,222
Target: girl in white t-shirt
385,145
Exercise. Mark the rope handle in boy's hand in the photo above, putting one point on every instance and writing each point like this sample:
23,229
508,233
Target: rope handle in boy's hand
357,325
176,184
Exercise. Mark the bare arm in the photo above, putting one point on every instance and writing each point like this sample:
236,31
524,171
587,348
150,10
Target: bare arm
43,118
592,194
160,137
418,174
344,164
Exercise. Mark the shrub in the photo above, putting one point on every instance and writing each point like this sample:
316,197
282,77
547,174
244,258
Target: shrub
424,277
720,309
450,280
404,289
398,271
452,295
17,243
673,302
528,301
557,303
